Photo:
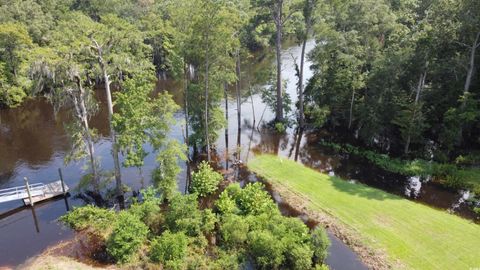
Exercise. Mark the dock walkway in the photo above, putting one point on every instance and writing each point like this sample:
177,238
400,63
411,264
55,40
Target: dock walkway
39,192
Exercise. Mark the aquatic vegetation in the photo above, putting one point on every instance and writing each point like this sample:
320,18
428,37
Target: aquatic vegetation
449,175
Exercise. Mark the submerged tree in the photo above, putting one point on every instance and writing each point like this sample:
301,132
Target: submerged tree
281,12
144,118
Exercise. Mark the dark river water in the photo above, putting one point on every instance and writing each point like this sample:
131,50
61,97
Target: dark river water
33,144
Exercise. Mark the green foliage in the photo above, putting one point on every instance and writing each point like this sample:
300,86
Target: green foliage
183,215
320,245
205,181
148,211
209,219
15,43
317,115
140,119
226,204
269,97
266,249
233,231
100,220
253,199
280,127
260,231
300,257
128,236
448,174
165,175
170,249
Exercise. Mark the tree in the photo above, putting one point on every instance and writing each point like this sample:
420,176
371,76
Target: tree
64,72
209,49
309,20
119,50
281,11
14,45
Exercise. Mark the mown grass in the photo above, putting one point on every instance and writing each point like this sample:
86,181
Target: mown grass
419,236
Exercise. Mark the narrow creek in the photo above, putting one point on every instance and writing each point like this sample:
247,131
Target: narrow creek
33,144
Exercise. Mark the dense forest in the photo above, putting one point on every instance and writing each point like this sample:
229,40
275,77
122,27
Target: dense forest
395,81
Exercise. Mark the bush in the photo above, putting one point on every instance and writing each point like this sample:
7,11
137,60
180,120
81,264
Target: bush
128,236
320,244
100,220
265,249
205,181
148,211
209,219
170,249
225,204
299,257
233,231
225,260
254,200
183,215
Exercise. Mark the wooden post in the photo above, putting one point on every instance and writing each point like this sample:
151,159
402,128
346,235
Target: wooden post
28,191
61,179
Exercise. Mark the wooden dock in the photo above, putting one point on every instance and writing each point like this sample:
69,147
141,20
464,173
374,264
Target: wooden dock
50,191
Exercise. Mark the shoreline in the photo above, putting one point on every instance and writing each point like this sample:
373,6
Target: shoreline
384,230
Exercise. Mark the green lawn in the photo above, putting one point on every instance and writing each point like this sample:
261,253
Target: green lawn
417,235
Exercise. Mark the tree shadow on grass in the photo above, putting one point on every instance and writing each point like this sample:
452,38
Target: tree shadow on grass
361,190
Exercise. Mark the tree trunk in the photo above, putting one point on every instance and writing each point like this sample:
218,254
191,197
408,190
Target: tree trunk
113,137
238,87
278,47
471,69
420,86
83,117
206,101
185,100
300,85
116,160
225,89
351,109
297,142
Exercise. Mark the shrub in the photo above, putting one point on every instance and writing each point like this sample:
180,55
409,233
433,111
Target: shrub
99,220
148,211
254,200
225,204
170,249
225,260
183,214
265,249
299,257
233,231
280,127
320,244
209,219
128,236
205,181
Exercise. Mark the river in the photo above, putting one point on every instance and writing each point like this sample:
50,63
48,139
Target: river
33,144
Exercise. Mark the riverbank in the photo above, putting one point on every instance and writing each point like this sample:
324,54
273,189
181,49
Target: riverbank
385,229
449,175
51,262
